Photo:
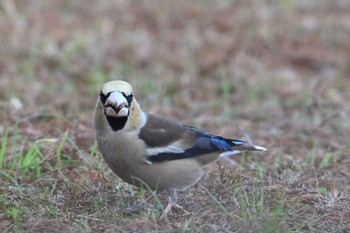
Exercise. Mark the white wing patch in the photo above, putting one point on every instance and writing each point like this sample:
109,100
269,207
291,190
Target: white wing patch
229,153
172,148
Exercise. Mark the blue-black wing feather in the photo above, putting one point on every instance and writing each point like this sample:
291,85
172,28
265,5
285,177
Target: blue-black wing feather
159,132
203,144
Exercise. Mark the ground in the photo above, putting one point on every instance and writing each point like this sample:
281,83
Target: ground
275,72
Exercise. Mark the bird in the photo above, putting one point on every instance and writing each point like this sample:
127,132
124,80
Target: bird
150,151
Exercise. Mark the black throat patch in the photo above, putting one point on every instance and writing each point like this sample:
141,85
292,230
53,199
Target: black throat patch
117,123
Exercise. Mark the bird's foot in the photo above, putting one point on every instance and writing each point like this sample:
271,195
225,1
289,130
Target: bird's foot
168,209
181,208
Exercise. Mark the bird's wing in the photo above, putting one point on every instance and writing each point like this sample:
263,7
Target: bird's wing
167,140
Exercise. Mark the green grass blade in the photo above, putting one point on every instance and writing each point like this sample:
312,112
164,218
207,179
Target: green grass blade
3,148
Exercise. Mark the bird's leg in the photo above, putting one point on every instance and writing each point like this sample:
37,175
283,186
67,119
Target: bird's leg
172,194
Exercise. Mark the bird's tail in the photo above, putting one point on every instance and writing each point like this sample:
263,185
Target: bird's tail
238,147
245,146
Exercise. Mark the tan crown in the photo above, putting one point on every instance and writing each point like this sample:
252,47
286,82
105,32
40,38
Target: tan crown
117,85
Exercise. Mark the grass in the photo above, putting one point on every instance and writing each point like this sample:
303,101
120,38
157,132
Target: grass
3,148
275,69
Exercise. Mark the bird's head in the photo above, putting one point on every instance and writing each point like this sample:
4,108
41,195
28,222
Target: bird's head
120,107
116,97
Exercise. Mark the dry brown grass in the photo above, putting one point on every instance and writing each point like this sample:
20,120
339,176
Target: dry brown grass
277,69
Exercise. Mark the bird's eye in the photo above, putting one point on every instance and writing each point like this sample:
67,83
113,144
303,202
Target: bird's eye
104,97
128,98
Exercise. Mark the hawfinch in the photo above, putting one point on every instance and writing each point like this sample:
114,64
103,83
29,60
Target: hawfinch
150,151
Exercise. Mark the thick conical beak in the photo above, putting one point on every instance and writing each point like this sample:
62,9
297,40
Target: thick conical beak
116,105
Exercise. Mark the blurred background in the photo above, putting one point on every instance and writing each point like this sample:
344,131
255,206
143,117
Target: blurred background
279,70
274,68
